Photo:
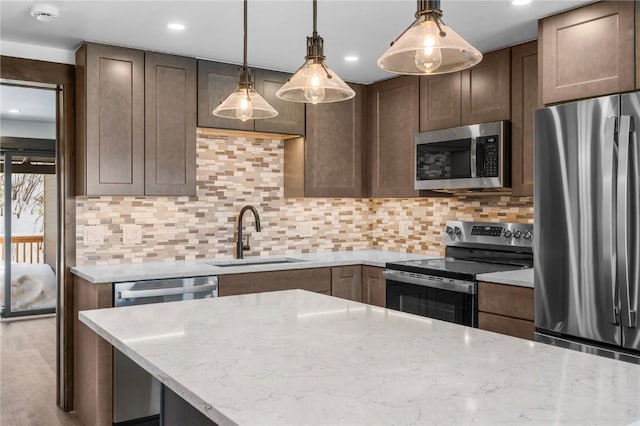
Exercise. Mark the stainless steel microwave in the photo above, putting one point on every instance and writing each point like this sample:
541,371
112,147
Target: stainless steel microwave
468,157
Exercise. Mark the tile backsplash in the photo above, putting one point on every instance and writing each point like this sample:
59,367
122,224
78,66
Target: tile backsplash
236,171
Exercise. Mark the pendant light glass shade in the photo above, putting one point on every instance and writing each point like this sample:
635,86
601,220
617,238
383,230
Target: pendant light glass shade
245,103
429,46
314,82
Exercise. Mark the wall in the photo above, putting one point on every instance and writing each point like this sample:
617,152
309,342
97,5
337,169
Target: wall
38,52
233,172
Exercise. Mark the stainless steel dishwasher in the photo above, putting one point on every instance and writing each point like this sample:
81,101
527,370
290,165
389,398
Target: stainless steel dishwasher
136,394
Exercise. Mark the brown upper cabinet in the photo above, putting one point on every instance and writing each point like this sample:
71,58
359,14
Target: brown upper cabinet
110,120
135,122
440,101
333,147
290,119
394,121
486,89
524,101
478,95
217,80
587,52
170,122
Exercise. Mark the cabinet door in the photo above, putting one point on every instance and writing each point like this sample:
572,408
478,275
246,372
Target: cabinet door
333,148
440,101
524,101
170,125
374,286
314,279
587,52
346,282
290,119
486,89
394,123
112,140
508,300
216,81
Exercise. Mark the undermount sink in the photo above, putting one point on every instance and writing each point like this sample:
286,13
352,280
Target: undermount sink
251,262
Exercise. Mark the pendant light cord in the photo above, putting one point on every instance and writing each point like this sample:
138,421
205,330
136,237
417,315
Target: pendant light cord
244,61
315,18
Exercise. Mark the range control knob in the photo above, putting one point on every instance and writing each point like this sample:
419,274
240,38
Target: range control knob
528,235
517,234
508,233
458,232
449,231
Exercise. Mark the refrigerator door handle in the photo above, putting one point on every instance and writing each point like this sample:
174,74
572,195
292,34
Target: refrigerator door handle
609,216
628,318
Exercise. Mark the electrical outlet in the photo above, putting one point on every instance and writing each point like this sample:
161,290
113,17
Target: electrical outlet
403,227
131,234
93,235
304,229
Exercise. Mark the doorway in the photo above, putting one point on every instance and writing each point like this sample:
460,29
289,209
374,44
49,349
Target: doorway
29,202
35,73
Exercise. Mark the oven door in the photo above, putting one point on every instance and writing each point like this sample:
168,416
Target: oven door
434,297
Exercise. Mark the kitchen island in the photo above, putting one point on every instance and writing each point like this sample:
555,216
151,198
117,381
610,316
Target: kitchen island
295,357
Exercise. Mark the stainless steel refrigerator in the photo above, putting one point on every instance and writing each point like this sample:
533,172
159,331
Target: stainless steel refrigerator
587,222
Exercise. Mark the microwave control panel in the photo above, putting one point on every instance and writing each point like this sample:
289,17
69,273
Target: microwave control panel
488,156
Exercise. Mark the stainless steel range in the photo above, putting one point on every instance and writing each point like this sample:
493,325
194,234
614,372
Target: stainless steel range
446,288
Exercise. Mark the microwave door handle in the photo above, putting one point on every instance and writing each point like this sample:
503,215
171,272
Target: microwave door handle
609,215
628,317
473,157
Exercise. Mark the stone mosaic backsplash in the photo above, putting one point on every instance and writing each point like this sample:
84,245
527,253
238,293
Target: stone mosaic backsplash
236,171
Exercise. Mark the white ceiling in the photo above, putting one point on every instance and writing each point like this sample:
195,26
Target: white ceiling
33,104
277,28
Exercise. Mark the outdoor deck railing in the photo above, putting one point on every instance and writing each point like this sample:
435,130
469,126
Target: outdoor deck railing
25,248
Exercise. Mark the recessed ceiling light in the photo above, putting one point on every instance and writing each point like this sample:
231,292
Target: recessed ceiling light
14,111
520,2
351,58
44,12
176,26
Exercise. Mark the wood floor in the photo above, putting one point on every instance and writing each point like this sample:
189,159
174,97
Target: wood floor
28,374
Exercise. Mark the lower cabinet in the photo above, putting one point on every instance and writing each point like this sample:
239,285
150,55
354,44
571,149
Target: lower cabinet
374,286
346,282
314,279
506,309
364,284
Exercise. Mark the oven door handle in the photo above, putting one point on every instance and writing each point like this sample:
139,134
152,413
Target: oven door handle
458,286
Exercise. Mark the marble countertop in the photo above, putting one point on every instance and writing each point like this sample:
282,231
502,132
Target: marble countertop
178,269
295,357
520,277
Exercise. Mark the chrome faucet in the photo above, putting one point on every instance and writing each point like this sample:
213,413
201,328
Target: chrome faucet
240,247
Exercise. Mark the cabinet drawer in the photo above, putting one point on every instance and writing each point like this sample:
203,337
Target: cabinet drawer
315,279
508,300
505,325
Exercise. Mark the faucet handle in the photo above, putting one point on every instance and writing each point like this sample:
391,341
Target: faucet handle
246,246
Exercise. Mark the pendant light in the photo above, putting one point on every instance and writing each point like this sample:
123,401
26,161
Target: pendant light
245,103
314,82
429,46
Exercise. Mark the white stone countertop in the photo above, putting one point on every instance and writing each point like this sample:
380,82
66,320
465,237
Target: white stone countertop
300,358
520,277
178,269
